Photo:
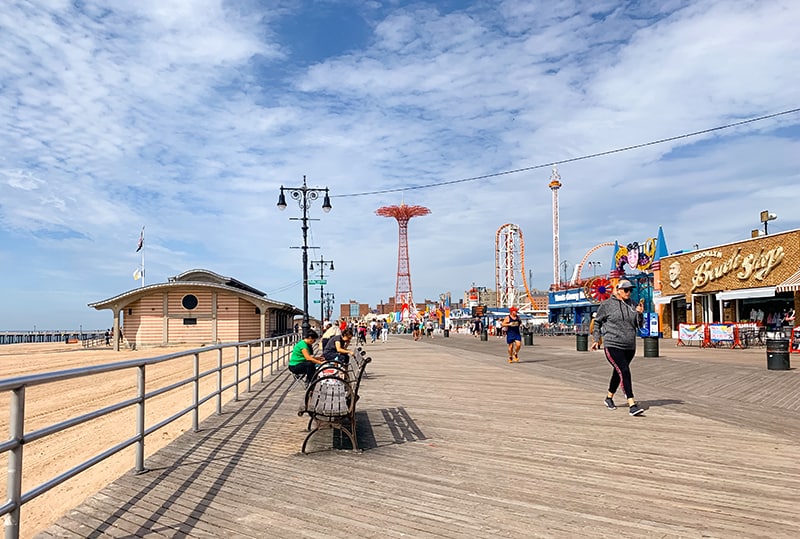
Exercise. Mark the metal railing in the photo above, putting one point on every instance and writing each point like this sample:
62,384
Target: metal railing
259,357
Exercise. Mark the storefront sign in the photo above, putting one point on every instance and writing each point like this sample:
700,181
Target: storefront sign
568,295
752,263
758,266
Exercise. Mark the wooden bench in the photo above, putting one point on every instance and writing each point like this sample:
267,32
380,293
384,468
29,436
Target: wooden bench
331,397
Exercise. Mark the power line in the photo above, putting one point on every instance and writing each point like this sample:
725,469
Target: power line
284,287
572,159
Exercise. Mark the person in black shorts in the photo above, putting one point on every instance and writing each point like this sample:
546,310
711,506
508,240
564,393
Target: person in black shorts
511,323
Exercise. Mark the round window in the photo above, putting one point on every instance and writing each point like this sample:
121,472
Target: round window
189,302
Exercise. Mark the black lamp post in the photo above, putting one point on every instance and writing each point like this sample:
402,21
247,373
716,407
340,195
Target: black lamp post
305,196
329,300
766,217
322,263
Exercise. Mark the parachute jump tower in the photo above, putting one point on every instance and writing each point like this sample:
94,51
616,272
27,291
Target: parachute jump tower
403,214
555,185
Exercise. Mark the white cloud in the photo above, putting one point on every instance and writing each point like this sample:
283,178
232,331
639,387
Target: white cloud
187,117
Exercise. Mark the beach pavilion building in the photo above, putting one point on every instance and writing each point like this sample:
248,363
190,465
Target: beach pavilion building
196,307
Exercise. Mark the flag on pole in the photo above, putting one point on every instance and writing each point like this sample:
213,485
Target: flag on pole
141,241
137,274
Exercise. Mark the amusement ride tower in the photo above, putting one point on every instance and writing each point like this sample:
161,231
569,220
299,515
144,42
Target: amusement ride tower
555,185
510,263
403,214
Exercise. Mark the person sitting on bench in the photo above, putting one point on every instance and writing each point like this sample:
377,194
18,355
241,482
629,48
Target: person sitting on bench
336,347
302,362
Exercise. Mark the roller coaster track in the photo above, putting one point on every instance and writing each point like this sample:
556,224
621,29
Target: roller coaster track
506,238
576,278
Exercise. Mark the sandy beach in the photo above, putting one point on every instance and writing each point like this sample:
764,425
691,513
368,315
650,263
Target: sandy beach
55,402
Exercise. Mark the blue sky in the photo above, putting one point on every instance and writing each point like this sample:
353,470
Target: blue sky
187,116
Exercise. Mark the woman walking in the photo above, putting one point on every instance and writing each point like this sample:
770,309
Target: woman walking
616,323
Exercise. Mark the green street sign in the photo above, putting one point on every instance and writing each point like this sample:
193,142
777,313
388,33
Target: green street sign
317,281
316,301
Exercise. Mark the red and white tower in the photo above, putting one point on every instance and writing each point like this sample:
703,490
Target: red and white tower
403,214
555,185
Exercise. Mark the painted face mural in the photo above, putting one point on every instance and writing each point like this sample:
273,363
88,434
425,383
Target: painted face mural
636,257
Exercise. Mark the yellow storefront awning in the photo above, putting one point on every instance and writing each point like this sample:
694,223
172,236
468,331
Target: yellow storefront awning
792,284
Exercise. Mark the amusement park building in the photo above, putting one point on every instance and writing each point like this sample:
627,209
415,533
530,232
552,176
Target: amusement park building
573,303
755,280
197,306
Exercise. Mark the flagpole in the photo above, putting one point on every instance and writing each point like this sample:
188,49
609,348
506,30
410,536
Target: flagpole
144,248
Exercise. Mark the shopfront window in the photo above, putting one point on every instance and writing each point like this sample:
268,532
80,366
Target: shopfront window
772,312
679,312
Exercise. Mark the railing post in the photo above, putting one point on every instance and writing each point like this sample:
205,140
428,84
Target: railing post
236,374
249,365
262,362
16,430
196,396
140,408
272,356
219,382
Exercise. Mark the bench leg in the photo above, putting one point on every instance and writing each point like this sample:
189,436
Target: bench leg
308,437
351,434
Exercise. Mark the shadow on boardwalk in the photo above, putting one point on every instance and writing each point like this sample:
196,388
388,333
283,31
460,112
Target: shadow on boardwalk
458,443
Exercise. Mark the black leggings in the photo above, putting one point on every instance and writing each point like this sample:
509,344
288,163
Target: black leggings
306,367
621,361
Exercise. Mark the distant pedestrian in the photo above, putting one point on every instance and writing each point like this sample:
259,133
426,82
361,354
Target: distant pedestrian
385,331
511,324
373,330
616,323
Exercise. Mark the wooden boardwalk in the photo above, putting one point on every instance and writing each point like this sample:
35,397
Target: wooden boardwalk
458,443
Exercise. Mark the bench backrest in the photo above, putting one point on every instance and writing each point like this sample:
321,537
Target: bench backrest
329,397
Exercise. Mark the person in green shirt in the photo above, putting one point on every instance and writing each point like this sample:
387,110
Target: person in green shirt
301,360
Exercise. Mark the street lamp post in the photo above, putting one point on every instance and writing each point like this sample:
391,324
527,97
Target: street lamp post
766,217
305,196
322,263
329,300
594,266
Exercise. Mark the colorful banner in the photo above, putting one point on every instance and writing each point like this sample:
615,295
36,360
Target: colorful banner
691,332
720,332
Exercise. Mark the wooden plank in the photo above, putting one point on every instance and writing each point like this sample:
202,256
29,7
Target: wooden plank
462,444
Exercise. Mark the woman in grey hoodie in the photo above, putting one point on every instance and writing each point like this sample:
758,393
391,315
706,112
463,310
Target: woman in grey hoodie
617,322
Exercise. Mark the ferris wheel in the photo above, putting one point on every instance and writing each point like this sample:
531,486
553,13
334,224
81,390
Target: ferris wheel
510,267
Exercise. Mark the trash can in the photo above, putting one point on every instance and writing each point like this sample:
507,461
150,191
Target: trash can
484,335
651,347
446,332
778,354
582,342
528,338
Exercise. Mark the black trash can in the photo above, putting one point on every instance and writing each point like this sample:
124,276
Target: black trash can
651,347
446,332
484,335
582,342
528,338
778,354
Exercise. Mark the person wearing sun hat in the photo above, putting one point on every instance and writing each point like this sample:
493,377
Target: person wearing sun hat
511,324
617,322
